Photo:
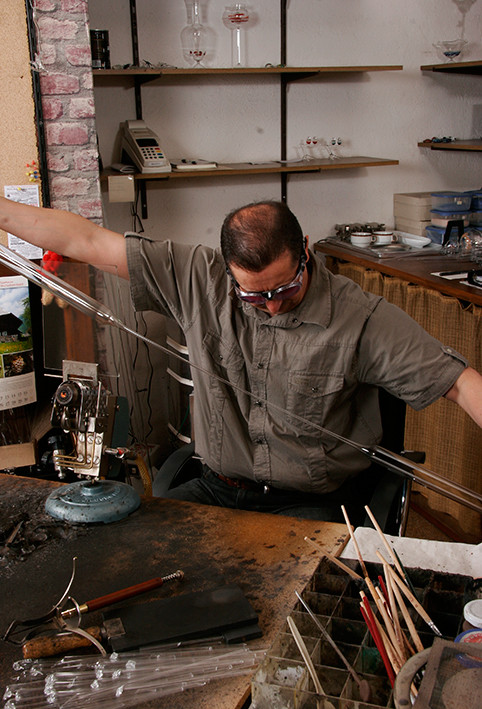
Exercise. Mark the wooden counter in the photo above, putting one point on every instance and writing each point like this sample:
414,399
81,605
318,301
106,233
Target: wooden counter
416,268
452,313
264,554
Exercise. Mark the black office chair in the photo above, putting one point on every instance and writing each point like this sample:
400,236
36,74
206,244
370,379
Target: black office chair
390,497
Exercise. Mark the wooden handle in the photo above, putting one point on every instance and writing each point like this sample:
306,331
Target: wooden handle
46,646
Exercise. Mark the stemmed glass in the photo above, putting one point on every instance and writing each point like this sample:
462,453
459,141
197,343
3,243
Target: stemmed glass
307,145
194,38
236,18
451,48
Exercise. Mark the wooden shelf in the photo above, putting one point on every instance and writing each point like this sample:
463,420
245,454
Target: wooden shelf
144,74
455,67
473,145
274,168
137,76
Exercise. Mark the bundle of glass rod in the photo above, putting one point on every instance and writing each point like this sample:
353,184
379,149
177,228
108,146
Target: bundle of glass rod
125,679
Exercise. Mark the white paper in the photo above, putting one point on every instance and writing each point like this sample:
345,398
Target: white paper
26,194
446,557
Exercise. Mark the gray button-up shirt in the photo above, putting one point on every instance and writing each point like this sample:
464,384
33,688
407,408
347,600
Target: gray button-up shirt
267,386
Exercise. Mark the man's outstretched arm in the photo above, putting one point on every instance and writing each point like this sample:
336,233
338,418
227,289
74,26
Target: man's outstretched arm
65,233
467,393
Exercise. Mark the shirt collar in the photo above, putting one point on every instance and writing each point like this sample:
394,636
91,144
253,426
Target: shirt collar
315,307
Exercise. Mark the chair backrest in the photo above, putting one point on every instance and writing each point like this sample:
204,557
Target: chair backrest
390,500
186,381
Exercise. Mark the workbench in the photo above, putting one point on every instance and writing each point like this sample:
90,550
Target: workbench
416,268
265,555
451,311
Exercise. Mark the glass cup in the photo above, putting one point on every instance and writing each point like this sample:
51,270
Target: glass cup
237,18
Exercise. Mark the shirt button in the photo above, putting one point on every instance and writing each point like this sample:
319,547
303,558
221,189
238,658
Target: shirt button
294,321
315,389
259,441
260,365
258,403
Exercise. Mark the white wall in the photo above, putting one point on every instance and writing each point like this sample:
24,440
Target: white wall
379,114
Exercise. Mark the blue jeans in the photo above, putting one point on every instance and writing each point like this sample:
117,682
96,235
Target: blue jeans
210,490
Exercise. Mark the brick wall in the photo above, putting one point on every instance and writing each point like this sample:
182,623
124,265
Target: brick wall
64,62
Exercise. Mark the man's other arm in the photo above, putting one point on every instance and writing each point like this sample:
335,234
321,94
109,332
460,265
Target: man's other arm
65,233
467,393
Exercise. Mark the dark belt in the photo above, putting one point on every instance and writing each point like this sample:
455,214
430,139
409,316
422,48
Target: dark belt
243,484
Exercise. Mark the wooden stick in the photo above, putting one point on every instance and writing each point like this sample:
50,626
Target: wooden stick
410,597
394,614
396,664
392,654
397,637
408,620
370,621
384,540
355,544
305,655
381,581
390,629
334,559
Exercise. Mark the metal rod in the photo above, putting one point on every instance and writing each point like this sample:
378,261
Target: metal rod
90,306
121,595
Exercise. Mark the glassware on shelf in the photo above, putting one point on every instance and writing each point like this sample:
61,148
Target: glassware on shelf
451,49
195,38
237,18
307,147
470,244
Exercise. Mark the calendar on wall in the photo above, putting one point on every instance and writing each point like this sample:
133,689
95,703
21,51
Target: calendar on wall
17,376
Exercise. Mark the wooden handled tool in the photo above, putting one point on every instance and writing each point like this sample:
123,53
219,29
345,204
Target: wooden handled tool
49,645
111,598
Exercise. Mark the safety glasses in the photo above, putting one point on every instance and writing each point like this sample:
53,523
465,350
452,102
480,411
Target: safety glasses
281,293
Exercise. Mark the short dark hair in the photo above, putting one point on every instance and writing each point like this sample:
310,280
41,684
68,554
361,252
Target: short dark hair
253,236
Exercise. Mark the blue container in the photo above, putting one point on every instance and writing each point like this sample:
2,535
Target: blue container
441,218
475,218
436,234
451,201
476,201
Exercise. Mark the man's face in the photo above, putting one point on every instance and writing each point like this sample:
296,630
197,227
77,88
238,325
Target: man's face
279,273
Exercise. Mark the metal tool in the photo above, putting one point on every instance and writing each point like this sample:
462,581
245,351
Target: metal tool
220,612
364,687
377,454
58,619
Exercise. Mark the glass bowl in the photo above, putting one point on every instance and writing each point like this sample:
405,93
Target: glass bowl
451,49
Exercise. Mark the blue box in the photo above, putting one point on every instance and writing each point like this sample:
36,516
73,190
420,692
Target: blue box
451,201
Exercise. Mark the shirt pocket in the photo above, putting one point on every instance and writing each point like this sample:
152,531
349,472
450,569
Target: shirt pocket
312,396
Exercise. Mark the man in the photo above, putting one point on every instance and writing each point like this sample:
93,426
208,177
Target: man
284,352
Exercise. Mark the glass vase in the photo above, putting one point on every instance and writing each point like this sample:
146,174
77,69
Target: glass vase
194,38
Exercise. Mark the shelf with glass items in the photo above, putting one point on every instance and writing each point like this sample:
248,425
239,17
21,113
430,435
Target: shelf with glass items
452,67
287,74
474,145
472,67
